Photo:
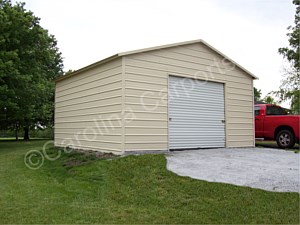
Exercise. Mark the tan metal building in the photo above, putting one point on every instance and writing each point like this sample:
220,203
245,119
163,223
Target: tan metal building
177,96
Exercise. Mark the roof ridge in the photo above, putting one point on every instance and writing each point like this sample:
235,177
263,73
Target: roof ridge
121,54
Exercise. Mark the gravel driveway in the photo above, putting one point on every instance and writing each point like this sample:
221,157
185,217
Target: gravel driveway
268,169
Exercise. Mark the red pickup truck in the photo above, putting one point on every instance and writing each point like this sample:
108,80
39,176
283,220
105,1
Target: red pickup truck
273,123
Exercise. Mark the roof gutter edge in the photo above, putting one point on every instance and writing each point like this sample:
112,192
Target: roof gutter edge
86,68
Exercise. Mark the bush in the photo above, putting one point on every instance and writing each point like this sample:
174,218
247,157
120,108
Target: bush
42,133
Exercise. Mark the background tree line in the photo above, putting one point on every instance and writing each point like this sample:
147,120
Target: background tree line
29,63
289,89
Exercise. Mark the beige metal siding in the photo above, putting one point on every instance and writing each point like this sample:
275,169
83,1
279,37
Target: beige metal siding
146,94
88,109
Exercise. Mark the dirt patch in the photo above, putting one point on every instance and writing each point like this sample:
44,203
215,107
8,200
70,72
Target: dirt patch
76,157
96,154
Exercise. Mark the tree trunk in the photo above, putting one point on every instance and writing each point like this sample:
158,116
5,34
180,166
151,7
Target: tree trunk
17,132
26,133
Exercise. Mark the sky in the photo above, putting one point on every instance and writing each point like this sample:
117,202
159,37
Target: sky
248,31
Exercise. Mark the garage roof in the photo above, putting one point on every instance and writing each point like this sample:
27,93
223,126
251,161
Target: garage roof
151,49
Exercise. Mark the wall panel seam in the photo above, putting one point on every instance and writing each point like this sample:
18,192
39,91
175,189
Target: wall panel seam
99,79
90,75
102,85
95,93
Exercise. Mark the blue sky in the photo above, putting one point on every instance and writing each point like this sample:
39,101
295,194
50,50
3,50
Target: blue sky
248,31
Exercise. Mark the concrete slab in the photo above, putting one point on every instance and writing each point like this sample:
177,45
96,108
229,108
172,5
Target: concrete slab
267,169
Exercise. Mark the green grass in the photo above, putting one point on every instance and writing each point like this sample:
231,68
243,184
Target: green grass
79,188
9,138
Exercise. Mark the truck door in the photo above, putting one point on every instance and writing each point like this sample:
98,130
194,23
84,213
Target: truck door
259,122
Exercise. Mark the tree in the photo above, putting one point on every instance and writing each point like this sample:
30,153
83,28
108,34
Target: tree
257,94
289,89
269,99
29,62
68,72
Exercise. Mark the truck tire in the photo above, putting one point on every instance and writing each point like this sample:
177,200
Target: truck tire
285,139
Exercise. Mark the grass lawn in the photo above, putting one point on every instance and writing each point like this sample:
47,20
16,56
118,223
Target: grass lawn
9,138
135,189
20,138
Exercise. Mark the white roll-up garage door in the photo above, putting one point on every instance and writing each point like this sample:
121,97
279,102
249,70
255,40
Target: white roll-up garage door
196,114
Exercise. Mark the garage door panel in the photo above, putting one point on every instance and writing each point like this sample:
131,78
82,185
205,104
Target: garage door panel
190,145
195,117
191,108
196,114
196,134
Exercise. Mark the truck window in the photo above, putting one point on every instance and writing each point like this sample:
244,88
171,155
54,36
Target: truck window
274,110
257,110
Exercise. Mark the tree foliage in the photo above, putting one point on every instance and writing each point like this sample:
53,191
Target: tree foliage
269,99
289,89
257,94
29,62
291,53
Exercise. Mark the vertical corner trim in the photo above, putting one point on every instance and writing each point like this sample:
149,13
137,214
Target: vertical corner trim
123,103
253,114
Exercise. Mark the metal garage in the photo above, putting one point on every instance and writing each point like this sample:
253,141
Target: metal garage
176,96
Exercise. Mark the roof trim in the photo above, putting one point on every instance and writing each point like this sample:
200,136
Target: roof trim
159,47
229,59
151,49
87,67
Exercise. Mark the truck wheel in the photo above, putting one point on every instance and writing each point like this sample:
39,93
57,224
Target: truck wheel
285,139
